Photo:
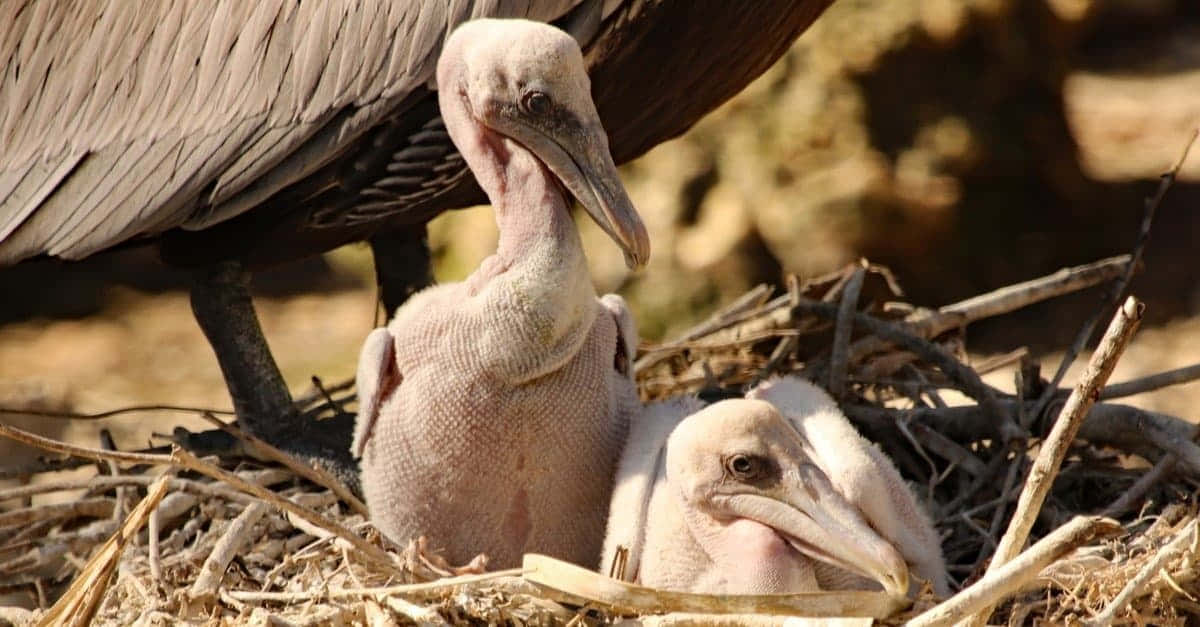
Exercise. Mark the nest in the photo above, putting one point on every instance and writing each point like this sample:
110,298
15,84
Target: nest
1103,494
268,540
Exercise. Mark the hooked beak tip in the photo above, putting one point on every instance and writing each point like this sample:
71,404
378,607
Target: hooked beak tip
637,252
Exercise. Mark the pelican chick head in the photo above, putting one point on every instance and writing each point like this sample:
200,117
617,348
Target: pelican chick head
760,507
526,81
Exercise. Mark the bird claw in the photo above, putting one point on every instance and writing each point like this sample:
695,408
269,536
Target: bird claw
425,563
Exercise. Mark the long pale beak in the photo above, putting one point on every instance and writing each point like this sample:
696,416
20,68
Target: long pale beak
817,521
578,155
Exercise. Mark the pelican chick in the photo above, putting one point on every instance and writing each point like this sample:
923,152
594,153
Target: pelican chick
764,495
490,409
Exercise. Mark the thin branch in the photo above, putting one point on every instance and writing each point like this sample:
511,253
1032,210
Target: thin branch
1004,300
317,394
102,483
88,508
1151,383
1054,449
967,379
948,449
81,601
750,302
1140,487
97,454
839,358
328,397
432,588
998,584
234,539
1128,428
1121,287
132,409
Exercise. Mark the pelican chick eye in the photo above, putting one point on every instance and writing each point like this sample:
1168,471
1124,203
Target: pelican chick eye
536,102
742,467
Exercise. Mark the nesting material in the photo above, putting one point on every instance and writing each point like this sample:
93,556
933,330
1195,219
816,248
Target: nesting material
239,540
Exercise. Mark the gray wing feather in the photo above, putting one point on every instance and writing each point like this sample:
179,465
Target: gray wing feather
117,116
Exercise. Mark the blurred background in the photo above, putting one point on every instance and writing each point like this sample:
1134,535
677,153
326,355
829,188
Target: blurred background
965,144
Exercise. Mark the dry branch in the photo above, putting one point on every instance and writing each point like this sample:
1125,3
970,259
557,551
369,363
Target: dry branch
1004,581
574,585
839,354
235,538
1054,449
929,324
1153,382
55,446
1149,209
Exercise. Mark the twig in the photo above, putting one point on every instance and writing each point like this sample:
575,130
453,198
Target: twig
748,302
52,547
367,550
779,356
57,446
1010,298
89,508
998,584
313,473
233,540
1141,486
948,449
993,467
839,357
1152,382
1149,208
43,465
1006,491
1181,446
1001,301
1054,448
421,616
69,415
996,362
337,408
1134,586
969,382
1121,426
124,497
574,585
103,483
432,588
317,394
153,530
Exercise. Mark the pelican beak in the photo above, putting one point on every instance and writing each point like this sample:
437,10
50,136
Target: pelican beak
577,153
817,521
597,185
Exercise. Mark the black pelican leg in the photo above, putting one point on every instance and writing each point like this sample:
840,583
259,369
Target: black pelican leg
402,264
222,305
